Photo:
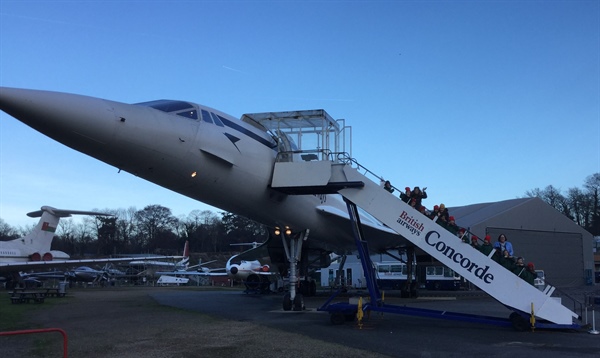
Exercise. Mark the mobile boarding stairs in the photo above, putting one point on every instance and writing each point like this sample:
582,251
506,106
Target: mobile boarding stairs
532,307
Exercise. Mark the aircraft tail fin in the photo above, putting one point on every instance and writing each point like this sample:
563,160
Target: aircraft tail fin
185,262
39,240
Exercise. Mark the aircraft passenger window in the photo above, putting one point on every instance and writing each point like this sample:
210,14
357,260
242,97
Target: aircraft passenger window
217,120
206,116
189,114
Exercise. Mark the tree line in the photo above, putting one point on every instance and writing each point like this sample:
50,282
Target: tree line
155,230
152,230
578,204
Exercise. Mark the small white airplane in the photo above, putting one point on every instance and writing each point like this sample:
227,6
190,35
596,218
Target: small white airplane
253,274
86,274
212,157
154,266
165,280
33,251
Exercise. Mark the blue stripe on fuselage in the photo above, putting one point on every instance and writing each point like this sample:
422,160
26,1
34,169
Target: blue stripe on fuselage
245,131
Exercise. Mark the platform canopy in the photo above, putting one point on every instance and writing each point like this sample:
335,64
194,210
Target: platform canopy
311,119
312,129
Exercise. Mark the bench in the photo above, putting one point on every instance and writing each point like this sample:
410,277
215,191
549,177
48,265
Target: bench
26,297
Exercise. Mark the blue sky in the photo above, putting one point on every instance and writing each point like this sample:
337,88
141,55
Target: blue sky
477,100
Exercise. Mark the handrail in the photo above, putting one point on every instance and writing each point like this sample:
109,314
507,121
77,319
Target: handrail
42,330
576,304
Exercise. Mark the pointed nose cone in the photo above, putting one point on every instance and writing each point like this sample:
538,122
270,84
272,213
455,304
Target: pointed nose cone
71,119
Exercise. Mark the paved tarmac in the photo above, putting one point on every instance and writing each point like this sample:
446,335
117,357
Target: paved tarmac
397,335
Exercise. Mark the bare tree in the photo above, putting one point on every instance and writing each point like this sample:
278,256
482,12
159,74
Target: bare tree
580,207
156,225
7,232
552,196
242,230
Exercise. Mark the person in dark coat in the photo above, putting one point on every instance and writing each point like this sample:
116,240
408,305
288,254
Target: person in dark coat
405,197
530,274
388,186
519,267
486,248
507,261
444,214
451,226
419,195
435,212
475,242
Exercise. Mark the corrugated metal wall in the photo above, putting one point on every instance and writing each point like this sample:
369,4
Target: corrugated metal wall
559,254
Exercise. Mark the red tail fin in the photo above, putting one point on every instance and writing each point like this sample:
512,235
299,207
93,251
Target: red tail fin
186,249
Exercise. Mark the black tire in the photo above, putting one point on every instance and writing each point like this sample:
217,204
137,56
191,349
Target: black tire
519,323
252,282
313,288
265,284
287,302
298,304
350,317
303,287
337,318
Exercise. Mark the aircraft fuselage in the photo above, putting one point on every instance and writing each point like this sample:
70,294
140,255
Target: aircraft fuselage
227,163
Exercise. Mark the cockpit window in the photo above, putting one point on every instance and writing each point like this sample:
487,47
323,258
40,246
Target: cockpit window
182,108
217,120
206,116
189,114
167,105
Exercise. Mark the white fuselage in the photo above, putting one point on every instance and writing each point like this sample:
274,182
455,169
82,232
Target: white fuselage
227,166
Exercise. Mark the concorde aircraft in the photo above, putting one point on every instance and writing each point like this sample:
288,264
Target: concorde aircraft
212,157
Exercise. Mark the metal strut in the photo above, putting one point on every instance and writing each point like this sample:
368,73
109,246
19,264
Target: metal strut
293,252
363,253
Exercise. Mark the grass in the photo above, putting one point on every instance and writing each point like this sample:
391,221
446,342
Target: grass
12,316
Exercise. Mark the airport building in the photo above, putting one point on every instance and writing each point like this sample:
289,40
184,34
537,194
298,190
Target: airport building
538,233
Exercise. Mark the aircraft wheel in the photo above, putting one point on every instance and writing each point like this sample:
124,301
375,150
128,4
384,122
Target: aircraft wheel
303,289
299,302
287,302
313,288
414,293
264,284
252,282
519,323
404,292
337,318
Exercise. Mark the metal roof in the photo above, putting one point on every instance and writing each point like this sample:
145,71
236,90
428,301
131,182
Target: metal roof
290,120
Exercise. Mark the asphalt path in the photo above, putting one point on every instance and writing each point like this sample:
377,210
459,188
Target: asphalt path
392,334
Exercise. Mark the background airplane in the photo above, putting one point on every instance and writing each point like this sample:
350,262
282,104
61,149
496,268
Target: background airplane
209,156
36,246
154,266
33,251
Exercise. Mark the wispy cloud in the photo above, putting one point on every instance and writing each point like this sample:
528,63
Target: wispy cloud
233,69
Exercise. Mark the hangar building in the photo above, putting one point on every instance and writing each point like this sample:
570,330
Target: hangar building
538,233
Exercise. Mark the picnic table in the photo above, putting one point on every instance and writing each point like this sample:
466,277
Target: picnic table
20,295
